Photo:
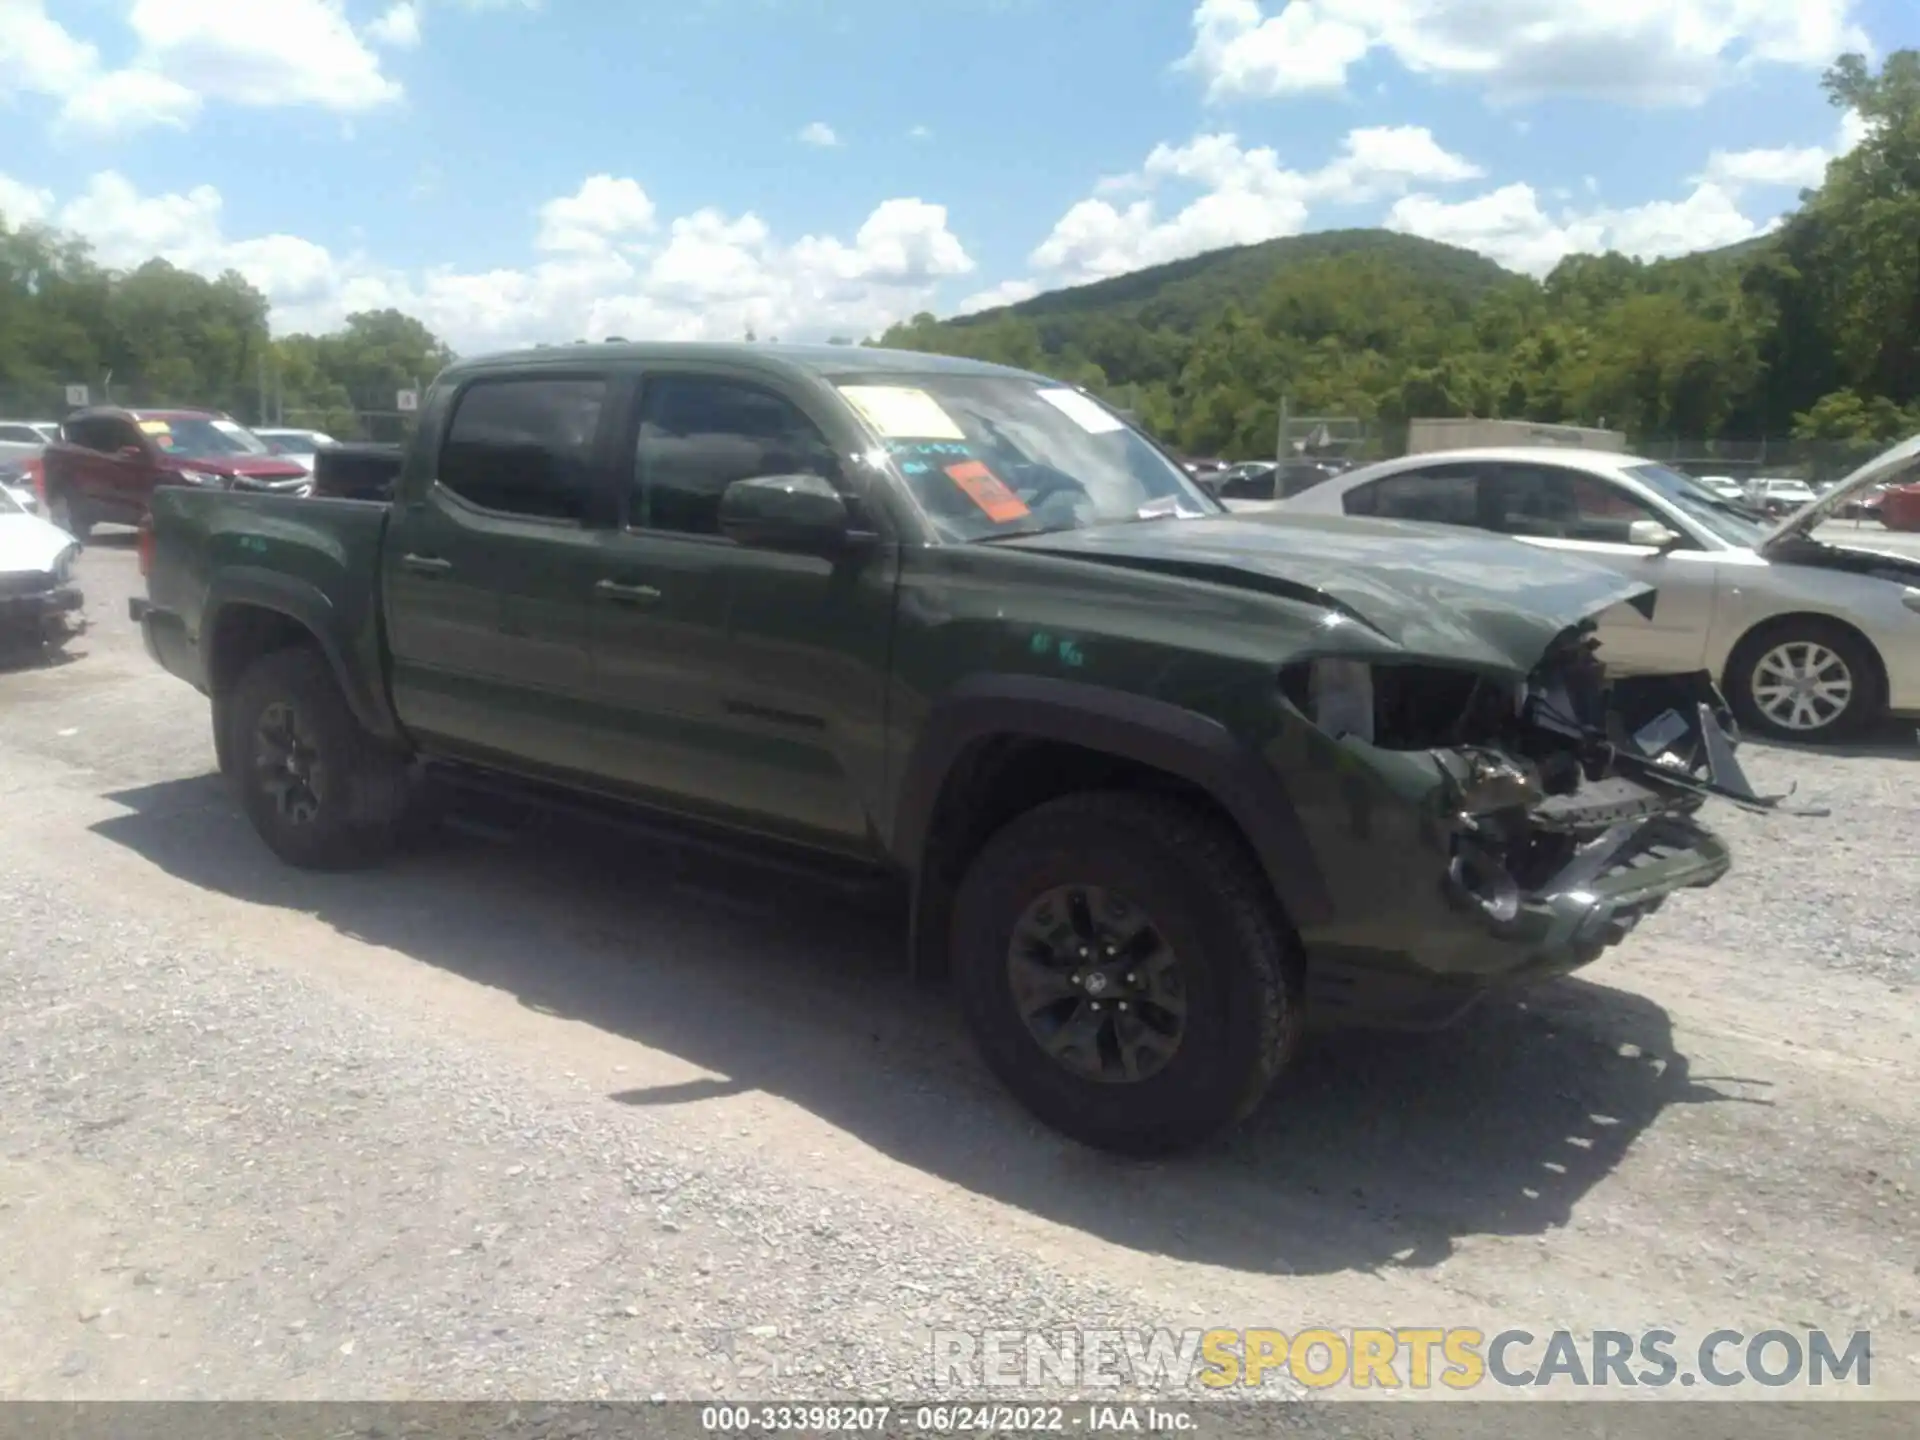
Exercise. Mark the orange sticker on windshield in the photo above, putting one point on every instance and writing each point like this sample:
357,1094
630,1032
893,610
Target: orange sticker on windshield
988,491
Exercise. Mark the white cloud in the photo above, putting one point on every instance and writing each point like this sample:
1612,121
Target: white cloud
23,204
1788,166
264,52
187,53
1247,196
601,266
398,26
118,102
596,217
1510,225
818,133
919,132
1648,52
1007,292
37,54
1796,166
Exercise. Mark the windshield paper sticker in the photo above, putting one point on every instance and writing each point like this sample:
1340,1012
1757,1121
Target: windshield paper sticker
155,427
1082,411
899,412
988,491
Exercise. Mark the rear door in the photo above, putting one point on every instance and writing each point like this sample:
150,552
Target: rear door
489,569
108,484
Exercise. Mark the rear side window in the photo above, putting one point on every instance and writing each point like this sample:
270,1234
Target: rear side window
525,447
104,433
17,435
1438,497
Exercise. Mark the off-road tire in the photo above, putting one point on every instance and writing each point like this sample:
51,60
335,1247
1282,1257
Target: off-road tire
69,512
1203,891
1869,692
363,791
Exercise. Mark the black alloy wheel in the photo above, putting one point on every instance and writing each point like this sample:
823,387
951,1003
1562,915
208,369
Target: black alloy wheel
1097,984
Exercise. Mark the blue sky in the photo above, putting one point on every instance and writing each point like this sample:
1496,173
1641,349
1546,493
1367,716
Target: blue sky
516,170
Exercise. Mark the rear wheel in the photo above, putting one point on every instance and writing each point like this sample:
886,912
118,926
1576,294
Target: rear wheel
1806,680
321,792
1125,972
69,512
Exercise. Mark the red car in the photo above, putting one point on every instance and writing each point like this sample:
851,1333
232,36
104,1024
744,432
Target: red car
1899,507
107,463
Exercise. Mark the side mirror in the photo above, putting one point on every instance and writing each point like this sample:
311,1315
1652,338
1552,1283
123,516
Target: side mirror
130,452
800,513
1653,535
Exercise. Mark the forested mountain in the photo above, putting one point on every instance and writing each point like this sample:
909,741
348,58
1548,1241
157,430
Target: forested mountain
1813,331
1182,294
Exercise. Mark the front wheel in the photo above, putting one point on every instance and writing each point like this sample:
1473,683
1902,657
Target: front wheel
320,791
1125,971
1809,680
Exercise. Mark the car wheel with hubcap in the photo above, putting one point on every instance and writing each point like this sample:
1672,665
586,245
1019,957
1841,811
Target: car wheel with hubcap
1125,970
1804,680
319,790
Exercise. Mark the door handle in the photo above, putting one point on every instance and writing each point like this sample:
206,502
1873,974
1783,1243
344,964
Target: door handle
426,564
625,594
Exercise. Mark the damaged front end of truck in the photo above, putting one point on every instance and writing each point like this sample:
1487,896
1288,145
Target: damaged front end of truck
1555,810
1484,802
1559,808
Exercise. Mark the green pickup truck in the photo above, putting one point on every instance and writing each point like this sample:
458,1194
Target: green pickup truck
1162,782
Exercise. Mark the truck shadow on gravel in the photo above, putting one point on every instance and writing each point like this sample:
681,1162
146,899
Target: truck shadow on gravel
1378,1150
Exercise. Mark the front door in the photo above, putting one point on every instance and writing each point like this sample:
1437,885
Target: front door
489,572
115,484
743,684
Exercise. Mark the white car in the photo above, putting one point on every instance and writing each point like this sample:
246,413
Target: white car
23,439
299,446
1725,486
1779,497
1810,641
39,602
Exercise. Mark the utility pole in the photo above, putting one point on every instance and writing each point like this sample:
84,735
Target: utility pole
1280,435
260,371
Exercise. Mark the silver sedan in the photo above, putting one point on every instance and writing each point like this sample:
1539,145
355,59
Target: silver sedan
1810,641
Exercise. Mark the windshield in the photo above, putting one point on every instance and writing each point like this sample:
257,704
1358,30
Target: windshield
1730,520
196,437
988,456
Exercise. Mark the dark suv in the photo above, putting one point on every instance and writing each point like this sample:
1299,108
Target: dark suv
107,463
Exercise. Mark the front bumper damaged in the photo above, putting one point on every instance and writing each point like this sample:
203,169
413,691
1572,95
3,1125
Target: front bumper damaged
1542,822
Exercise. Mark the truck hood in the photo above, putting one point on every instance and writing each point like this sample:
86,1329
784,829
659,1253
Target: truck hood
251,467
1903,460
1480,600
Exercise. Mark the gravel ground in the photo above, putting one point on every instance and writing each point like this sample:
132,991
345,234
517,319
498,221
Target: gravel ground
566,1119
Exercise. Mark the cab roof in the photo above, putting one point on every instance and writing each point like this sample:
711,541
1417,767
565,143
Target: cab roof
820,361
